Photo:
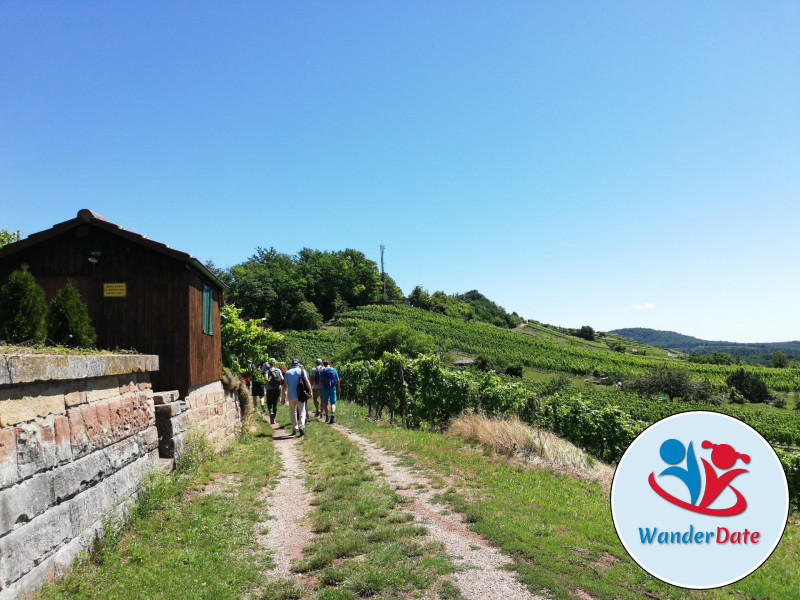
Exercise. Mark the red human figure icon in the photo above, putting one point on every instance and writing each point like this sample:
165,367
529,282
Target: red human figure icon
724,457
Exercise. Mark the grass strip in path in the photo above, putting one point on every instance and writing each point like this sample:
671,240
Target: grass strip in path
191,534
366,546
558,527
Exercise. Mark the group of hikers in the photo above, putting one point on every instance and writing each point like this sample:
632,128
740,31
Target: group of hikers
295,386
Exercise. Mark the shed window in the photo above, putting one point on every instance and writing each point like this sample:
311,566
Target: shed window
208,310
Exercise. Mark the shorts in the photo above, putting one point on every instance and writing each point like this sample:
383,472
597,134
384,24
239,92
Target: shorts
329,396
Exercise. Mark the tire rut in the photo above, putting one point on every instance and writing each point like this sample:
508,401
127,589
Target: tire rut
289,504
484,571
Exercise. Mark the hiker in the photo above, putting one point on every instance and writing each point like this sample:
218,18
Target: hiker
258,388
292,380
330,386
316,387
274,383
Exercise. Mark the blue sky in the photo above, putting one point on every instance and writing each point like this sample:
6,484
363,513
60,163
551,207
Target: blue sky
570,160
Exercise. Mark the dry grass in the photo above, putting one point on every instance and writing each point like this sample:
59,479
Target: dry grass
511,437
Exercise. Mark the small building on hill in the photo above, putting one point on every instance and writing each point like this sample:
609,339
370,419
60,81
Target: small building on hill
141,294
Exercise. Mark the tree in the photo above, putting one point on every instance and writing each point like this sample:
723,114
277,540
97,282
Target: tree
22,309
306,316
420,298
750,385
68,322
779,360
586,333
674,383
371,340
9,237
244,341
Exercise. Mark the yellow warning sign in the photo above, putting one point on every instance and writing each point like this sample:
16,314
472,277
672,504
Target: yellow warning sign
115,290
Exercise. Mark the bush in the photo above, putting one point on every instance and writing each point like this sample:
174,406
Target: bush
514,370
675,383
246,340
370,340
68,322
750,385
22,309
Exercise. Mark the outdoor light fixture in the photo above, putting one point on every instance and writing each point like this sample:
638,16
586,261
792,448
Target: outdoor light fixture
95,256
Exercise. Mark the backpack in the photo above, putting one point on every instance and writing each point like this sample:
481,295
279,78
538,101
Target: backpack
329,378
316,375
275,377
303,390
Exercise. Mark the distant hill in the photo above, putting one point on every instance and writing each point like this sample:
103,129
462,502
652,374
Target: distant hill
760,353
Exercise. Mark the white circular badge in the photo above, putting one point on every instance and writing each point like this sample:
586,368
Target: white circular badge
699,500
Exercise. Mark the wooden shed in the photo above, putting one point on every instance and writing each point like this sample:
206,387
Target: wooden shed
141,294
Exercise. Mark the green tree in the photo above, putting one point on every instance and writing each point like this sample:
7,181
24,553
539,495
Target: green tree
672,382
420,298
586,333
8,237
750,385
306,316
68,322
371,340
244,341
22,309
779,360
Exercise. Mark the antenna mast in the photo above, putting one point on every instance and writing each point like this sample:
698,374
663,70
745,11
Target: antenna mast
383,274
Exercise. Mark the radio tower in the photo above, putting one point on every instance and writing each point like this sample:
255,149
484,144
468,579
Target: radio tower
383,275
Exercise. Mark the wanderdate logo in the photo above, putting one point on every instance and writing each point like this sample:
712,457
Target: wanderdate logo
723,457
699,500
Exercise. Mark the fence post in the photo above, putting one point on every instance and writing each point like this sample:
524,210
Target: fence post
404,405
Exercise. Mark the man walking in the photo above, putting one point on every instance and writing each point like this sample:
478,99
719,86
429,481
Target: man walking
297,405
316,386
274,383
330,386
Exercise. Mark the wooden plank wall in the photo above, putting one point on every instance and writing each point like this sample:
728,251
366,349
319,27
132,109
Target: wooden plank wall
151,319
205,350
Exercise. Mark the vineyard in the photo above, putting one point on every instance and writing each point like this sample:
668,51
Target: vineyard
427,392
423,392
506,346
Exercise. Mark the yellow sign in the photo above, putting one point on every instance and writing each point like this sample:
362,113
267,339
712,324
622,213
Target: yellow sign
115,290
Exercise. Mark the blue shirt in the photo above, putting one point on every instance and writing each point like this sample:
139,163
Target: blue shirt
292,378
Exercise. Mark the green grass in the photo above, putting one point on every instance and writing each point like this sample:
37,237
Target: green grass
558,528
366,545
184,543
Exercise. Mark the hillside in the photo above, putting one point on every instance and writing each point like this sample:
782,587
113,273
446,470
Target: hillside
533,345
759,353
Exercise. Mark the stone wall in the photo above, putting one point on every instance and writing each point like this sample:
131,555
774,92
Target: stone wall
77,434
216,411
207,408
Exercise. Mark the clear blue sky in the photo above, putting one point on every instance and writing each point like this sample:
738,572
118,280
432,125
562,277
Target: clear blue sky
570,160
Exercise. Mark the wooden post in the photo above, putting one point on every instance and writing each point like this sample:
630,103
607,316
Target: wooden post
404,405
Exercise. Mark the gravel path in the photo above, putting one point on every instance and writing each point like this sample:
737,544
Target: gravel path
289,507
484,575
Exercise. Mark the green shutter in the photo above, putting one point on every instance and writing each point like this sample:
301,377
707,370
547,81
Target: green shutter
208,310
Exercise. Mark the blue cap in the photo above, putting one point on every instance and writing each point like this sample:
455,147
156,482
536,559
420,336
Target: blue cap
295,361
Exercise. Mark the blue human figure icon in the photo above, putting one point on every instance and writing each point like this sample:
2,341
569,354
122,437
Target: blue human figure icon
672,452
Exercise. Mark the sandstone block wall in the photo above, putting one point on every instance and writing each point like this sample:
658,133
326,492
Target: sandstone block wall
216,411
76,436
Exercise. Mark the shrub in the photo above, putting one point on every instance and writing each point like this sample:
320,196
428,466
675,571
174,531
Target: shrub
22,309
750,385
68,322
675,383
371,340
515,370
